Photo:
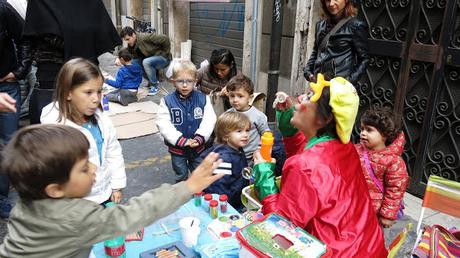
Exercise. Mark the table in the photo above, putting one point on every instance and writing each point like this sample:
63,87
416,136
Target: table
155,235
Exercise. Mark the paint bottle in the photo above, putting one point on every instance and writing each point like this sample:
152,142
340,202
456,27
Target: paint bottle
223,203
213,209
207,200
197,199
267,141
115,247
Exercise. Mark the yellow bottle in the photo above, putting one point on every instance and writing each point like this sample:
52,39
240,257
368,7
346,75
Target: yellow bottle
266,145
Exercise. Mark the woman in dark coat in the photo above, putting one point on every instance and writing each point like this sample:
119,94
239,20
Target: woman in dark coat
346,52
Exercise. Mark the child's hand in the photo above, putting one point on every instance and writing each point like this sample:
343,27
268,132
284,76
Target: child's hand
258,158
194,144
116,196
386,223
203,176
189,143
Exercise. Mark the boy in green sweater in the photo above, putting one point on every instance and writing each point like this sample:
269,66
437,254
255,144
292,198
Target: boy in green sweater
48,166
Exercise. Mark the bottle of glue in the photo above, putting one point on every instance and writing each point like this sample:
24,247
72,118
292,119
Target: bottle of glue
267,141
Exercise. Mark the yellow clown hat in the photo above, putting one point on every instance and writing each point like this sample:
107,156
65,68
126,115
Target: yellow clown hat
344,101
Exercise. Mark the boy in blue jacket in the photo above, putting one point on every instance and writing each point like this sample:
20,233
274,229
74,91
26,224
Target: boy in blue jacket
129,77
232,135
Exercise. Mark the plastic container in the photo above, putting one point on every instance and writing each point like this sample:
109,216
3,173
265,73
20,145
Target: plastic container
105,103
267,141
197,199
213,209
223,203
115,247
207,200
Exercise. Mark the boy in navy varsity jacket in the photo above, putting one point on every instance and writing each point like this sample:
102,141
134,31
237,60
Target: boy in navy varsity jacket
185,119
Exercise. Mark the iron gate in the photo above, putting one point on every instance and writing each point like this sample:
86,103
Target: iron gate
414,68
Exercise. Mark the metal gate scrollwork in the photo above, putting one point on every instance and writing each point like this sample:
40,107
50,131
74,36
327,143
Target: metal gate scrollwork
415,69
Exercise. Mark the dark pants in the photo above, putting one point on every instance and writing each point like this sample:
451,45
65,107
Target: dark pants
43,93
183,164
8,126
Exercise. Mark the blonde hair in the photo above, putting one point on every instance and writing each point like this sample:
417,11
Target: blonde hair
183,65
72,74
229,122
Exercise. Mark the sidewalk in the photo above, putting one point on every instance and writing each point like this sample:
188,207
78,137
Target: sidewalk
411,215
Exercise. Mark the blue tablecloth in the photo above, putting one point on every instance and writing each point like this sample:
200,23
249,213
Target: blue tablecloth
155,235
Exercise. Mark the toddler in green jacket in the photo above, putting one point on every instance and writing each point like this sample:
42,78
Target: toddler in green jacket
48,166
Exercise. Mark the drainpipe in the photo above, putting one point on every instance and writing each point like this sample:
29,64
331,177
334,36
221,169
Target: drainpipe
255,14
274,64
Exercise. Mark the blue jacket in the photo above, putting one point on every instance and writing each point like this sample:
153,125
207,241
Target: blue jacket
231,185
128,77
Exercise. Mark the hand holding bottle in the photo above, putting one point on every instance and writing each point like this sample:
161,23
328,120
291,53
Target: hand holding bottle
282,101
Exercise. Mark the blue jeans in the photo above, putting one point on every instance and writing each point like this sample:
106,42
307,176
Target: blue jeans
183,164
9,121
8,125
151,65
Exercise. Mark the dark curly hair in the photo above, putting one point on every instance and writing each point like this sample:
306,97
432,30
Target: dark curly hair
382,119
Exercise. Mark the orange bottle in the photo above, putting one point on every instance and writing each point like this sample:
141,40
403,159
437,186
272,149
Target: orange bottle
267,141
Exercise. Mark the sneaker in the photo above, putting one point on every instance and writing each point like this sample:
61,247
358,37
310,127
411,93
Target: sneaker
122,100
5,209
153,91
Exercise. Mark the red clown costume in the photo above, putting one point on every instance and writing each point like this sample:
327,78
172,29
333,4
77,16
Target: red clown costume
323,189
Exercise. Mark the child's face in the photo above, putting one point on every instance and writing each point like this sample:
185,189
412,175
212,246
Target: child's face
239,99
238,138
184,83
82,178
372,138
86,97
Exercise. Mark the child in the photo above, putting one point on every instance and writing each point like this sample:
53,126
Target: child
49,168
77,104
232,134
240,91
185,119
380,152
129,77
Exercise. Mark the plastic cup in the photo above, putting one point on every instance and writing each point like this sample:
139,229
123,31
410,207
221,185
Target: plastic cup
190,230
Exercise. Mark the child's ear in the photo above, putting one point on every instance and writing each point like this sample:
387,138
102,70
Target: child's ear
54,191
69,97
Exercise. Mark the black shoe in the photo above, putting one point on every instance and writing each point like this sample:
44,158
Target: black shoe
121,100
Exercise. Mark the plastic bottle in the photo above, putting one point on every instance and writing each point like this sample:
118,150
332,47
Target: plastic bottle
105,103
267,141
213,209
223,203
207,200
197,199
115,247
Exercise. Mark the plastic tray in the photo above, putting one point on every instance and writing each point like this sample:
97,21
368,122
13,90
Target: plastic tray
182,251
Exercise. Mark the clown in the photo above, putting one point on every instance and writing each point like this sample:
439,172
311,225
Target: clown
322,187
